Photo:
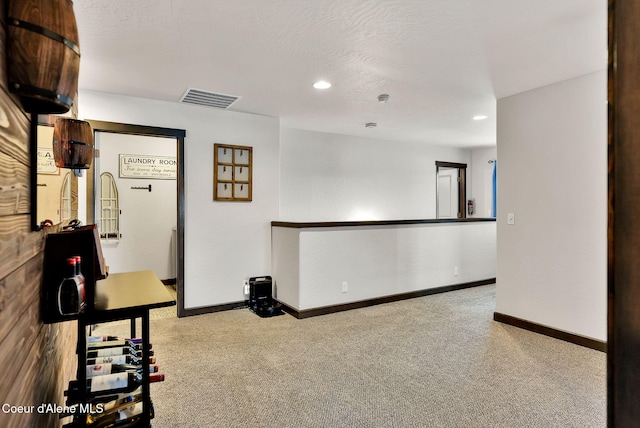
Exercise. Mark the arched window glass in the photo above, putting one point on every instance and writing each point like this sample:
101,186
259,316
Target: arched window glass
109,211
65,199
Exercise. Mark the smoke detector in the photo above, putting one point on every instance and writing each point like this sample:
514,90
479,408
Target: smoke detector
383,98
370,125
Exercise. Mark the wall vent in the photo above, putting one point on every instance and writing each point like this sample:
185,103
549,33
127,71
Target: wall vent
208,99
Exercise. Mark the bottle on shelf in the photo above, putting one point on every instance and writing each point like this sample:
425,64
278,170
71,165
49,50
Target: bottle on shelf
109,385
119,350
119,359
94,339
71,291
156,377
127,414
105,385
104,369
118,396
114,343
123,411
79,270
116,359
107,405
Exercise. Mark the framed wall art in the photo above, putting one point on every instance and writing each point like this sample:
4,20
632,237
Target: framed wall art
232,172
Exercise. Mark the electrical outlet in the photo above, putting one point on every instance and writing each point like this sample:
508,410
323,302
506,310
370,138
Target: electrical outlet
345,286
511,218
456,271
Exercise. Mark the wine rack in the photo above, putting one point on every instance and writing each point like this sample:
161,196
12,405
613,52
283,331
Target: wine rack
122,296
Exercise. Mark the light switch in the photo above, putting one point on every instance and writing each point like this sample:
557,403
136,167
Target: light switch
511,218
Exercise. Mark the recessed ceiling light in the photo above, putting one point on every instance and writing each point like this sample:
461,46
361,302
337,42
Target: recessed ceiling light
480,117
322,84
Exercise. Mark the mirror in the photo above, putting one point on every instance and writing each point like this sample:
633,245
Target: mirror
56,199
55,195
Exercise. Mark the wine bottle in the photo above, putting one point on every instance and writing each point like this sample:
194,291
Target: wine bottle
156,377
103,404
104,369
83,282
125,415
103,399
93,339
123,411
110,384
107,352
71,291
118,350
117,412
111,395
111,415
80,277
106,384
79,267
113,343
117,359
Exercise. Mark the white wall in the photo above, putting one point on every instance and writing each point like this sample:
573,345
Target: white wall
482,179
330,177
311,264
298,176
147,218
552,151
224,241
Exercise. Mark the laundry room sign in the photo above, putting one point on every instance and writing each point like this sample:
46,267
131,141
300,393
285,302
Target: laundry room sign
148,167
46,163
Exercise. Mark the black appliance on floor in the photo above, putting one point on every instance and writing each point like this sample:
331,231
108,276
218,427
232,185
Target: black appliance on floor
260,296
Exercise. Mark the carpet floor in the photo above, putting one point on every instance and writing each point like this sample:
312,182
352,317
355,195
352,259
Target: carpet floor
434,361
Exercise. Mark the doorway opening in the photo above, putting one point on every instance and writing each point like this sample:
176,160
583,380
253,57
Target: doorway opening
451,190
105,129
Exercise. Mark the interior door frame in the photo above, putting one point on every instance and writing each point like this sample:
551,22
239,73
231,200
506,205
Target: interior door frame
462,186
150,131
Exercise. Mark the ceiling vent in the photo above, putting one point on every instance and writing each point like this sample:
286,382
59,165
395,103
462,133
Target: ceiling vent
208,99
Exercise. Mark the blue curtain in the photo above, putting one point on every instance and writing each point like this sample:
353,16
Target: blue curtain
494,209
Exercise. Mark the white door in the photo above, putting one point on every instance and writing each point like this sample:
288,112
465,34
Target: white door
447,192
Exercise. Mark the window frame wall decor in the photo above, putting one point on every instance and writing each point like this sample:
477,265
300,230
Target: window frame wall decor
109,208
65,199
232,171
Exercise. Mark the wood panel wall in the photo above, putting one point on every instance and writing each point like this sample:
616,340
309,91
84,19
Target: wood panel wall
37,360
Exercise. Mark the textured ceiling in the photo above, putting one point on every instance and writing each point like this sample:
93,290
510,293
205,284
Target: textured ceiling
441,61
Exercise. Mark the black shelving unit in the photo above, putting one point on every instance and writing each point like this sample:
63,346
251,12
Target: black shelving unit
122,296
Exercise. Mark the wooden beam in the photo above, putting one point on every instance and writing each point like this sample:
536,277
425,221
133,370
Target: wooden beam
623,358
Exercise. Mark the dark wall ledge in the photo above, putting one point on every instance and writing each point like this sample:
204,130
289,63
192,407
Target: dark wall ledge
297,225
